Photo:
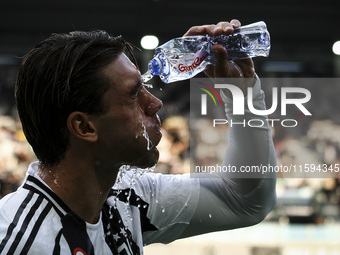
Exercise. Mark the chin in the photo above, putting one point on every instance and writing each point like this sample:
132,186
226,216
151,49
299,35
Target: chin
150,159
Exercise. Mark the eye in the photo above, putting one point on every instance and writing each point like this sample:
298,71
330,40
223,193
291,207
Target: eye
135,90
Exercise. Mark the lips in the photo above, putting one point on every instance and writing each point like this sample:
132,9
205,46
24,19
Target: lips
158,134
156,131
158,120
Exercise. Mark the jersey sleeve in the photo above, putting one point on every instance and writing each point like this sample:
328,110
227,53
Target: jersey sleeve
237,199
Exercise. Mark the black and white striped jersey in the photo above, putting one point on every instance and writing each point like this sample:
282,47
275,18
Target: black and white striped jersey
154,208
33,220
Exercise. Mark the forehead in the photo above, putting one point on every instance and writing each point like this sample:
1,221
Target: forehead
122,71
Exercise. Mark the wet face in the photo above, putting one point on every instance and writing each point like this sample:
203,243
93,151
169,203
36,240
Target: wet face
130,130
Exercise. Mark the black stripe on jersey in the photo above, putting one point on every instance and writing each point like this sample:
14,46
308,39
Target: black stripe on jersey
15,220
24,225
35,185
109,237
56,250
74,231
142,206
35,229
117,236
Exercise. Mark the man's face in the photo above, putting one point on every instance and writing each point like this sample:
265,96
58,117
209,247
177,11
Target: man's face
130,130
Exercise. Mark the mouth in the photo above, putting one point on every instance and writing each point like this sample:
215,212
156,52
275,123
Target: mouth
152,132
158,120
156,135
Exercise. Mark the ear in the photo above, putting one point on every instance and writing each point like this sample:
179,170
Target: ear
81,126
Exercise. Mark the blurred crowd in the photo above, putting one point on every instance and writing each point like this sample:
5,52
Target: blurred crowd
174,146
15,155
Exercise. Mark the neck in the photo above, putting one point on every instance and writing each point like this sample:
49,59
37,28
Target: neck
83,186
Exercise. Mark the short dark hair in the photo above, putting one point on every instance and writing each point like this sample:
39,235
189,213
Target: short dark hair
57,77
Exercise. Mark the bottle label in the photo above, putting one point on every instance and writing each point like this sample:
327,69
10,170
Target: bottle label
198,59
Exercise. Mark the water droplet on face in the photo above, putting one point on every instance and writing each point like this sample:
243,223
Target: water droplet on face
163,209
149,86
210,215
146,136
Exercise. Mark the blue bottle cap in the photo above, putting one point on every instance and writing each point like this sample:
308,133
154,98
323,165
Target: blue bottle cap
155,66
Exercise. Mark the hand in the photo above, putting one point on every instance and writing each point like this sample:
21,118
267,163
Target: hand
224,68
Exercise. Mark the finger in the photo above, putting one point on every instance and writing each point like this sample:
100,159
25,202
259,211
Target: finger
235,23
247,67
221,27
196,30
199,30
221,58
228,27
215,29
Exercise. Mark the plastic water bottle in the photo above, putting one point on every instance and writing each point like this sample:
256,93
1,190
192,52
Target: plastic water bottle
184,57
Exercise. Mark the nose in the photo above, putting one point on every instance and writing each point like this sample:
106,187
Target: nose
151,104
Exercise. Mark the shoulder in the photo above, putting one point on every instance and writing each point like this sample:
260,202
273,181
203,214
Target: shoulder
10,204
27,222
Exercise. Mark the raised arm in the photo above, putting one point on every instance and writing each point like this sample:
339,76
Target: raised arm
236,199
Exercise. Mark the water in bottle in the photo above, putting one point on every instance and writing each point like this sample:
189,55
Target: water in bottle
184,57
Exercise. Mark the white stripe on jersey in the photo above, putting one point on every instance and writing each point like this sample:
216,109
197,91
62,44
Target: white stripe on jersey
21,233
34,185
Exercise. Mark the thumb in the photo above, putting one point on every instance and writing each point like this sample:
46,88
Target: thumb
220,55
221,67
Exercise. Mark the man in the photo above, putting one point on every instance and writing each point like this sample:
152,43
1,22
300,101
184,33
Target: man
86,113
